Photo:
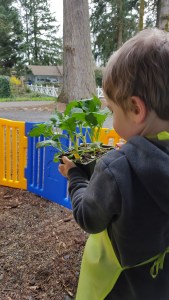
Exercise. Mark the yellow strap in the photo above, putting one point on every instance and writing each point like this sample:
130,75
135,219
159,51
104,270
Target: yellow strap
164,135
157,265
161,136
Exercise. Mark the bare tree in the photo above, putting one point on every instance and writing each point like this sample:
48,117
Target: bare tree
164,15
78,64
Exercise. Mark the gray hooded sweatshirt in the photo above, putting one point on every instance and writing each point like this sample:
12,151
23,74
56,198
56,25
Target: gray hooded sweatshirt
128,194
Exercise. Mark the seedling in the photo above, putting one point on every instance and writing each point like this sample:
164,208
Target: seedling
70,124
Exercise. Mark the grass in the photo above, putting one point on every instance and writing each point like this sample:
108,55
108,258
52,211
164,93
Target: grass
28,98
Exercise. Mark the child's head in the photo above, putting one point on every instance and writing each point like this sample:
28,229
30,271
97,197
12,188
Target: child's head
141,68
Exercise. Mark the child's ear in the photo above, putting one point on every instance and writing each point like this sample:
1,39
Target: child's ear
138,109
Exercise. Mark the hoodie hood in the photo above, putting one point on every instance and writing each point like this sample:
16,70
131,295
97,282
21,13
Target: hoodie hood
150,162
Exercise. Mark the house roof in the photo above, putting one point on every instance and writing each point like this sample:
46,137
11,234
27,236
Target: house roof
46,70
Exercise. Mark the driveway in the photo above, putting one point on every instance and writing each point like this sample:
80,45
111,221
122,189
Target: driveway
28,111
34,111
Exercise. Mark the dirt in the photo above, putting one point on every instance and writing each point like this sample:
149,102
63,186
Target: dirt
40,248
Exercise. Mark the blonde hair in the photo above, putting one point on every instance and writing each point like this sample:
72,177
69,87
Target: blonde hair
141,68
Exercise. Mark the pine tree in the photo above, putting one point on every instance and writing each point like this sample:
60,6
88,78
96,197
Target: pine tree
11,37
115,21
112,23
41,43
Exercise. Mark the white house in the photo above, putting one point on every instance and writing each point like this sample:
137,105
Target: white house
44,74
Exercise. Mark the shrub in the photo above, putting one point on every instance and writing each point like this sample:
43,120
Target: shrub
99,76
15,81
4,87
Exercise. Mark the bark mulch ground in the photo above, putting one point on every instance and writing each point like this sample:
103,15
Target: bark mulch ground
40,248
40,244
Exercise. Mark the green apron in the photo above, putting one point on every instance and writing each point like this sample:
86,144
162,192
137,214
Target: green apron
100,268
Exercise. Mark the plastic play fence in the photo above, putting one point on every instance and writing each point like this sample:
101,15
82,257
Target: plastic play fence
12,153
26,167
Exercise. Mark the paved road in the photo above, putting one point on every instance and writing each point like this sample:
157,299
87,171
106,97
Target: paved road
30,111
33,111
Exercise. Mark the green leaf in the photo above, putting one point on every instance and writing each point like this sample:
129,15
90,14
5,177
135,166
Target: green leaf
91,119
56,157
69,124
91,105
70,106
79,116
59,136
47,143
56,119
44,129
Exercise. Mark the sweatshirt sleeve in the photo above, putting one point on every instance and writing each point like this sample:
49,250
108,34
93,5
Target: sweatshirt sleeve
96,203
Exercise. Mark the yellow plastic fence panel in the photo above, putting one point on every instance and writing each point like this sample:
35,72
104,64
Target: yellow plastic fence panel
109,137
13,153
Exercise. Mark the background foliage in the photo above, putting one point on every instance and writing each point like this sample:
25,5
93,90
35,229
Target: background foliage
113,22
29,31
4,87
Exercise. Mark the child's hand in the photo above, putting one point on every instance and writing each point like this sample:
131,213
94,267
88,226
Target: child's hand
120,143
66,166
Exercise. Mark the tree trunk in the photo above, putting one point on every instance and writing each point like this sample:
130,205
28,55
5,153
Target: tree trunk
164,15
78,64
120,24
141,15
158,5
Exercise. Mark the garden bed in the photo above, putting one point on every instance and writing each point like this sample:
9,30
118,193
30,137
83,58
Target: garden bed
40,248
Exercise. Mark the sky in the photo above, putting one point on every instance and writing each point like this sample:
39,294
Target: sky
57,8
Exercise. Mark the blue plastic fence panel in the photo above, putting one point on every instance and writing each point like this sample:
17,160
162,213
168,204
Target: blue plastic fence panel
43,177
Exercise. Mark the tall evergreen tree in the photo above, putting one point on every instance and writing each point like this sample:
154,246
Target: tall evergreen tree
112,23
41,43
115,21
11,37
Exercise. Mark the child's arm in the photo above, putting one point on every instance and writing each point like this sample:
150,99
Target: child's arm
96,203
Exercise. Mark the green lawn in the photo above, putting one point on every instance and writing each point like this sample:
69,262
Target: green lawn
28,98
